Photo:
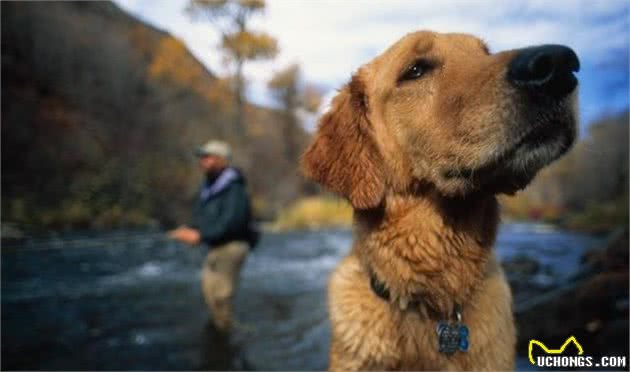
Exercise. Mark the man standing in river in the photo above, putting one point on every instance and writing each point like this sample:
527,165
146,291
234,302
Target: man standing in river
222,222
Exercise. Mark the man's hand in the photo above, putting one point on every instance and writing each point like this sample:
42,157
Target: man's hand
186,235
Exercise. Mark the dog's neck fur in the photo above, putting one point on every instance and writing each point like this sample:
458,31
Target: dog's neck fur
428,249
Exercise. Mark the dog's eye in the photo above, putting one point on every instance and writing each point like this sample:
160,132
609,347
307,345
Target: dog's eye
417,70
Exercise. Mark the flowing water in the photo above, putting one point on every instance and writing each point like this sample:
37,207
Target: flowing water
102,302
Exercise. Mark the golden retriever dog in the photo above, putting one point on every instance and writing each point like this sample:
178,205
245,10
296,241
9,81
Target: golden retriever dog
420,141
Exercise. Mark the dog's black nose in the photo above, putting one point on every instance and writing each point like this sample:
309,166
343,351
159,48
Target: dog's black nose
545,69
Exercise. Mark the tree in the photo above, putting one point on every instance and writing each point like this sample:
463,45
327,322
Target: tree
239,42
295,98
284,87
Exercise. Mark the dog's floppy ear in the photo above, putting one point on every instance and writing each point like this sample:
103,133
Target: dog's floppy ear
343,156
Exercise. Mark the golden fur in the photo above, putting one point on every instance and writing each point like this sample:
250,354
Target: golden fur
421,162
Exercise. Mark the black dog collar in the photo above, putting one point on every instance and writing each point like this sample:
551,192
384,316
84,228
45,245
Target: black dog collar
378,287
452,336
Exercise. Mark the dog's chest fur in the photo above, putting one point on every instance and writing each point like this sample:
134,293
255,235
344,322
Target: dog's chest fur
431,256
428,249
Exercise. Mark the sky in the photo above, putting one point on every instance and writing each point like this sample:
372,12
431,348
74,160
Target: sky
332,38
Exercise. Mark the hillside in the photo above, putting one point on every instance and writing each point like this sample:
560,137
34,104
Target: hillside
99,115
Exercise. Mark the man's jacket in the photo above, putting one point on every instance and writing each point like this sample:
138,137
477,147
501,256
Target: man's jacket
222,212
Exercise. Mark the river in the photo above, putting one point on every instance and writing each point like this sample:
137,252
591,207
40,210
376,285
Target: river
110,301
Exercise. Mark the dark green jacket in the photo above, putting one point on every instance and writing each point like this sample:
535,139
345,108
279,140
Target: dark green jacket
222,211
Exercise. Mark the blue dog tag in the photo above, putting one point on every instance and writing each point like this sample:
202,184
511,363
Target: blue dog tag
452,337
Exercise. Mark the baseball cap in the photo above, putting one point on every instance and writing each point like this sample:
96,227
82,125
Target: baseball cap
214,147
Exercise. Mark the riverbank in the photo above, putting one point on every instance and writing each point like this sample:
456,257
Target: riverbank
592,306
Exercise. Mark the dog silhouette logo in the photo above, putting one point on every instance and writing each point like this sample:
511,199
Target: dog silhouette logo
558,351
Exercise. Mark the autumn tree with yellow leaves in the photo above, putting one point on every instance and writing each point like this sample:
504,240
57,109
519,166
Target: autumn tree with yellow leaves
239,42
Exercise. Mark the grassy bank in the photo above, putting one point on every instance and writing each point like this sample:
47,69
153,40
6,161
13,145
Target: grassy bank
74,214
314,213
327,211
599,217
593,217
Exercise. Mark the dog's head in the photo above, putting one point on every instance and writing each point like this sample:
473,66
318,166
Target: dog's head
440,109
